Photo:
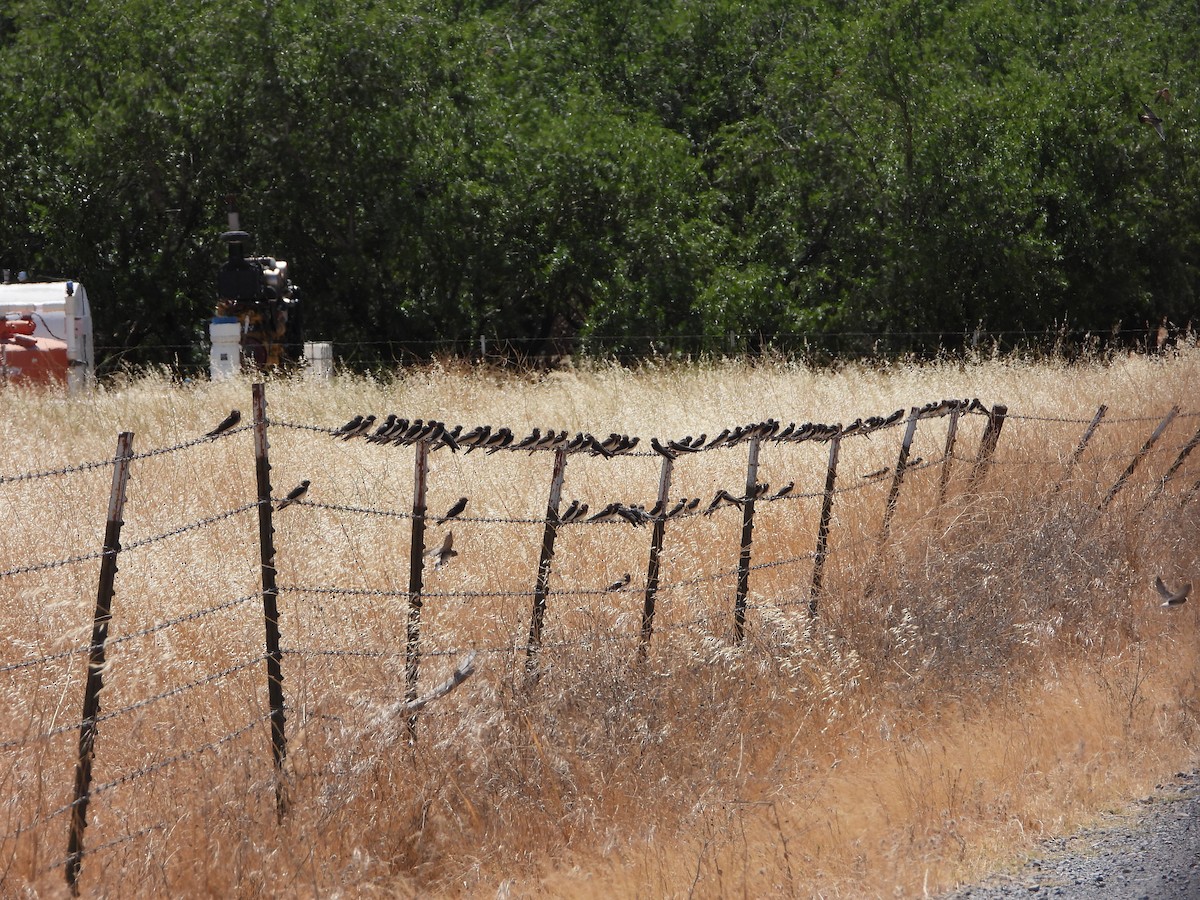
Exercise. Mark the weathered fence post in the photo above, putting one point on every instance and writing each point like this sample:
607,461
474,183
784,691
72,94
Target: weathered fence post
835,445
743,580
542,586
1137,458
987,443
97,658
1170,473
893,497
656,542
266,548
416,568
951,439
1081,446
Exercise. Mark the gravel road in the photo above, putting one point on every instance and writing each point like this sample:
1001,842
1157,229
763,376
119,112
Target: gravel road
1150,851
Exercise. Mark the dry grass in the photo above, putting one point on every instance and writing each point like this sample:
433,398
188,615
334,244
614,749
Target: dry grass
999,672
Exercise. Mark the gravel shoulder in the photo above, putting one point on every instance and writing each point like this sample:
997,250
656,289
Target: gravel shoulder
1151,851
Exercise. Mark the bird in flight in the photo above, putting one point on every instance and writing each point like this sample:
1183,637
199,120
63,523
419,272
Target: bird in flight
228,422
454,511
1172,598
443,554
293,495
1149,117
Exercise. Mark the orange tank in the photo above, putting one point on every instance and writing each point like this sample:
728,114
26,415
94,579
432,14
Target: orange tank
28,359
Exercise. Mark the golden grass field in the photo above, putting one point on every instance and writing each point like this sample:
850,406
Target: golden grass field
998,672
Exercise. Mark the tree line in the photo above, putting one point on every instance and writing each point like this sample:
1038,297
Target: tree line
612,176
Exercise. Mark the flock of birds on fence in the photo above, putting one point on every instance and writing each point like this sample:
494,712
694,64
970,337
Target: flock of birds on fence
402,432
394,430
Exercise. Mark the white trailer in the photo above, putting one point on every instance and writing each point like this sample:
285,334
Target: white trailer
60,312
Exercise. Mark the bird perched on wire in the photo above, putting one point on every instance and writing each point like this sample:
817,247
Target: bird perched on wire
356,426
454,511
657,447
228,422
723,496
293,495
620,583
783,491
1172,598
443,554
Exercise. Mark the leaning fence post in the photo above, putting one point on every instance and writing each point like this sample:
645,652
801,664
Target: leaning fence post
893,497
97,659
951,439
266,548
987,443
1170,473
543,573
743,580
416,566
1137,458
1081,446
835,445
656,542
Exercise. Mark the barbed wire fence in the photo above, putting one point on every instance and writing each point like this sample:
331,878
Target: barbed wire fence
28,824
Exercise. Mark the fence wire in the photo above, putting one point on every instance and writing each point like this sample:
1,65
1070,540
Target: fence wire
769,433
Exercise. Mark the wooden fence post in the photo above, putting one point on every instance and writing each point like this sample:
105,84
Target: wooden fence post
266,548
951,439
1081,446
416,567
656,542
97,659
835,445
987,443
743,582
1137,458
542,586
1169,474
893,497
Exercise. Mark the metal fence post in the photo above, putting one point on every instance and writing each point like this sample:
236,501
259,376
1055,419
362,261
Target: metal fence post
97,659
266,547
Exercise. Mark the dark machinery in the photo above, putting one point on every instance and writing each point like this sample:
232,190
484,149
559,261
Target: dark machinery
255,291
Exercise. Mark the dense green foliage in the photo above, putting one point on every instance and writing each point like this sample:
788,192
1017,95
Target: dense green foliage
633,174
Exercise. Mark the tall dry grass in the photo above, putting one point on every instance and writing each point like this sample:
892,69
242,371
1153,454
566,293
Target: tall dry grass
999,671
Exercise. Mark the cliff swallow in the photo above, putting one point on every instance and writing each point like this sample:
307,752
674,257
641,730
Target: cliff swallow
475,437
1148,117
620,583
1171,598
293,495
443,554
533,438
658,448
383,429
349,427
228,422
723,496
450,438
454,511
361,428
783,491
606,514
